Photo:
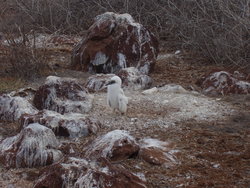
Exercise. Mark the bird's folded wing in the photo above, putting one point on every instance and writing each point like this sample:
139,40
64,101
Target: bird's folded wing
123,97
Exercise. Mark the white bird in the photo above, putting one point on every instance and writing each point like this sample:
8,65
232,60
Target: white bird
116,98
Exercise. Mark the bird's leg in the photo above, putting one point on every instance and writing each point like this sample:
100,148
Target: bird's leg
123,113
113,110
114,113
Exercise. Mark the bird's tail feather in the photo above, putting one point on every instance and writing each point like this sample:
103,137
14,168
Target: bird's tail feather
123,101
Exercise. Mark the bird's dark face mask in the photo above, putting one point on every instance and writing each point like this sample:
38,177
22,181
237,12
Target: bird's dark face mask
111,82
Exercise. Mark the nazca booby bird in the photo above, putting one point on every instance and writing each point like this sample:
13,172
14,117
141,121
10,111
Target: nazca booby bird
116,98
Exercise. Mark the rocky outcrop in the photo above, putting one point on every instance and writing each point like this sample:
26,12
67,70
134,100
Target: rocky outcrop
70,125
223,83
12,108
34,146
63,95
132,78
97,82
80,173
113,42
115,145
157,152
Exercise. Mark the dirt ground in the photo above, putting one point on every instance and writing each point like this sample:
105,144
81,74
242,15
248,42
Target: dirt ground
214,151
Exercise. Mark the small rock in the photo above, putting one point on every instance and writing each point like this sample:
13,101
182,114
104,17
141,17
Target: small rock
106,175
224,83
86,174
172,88
157,152
12,108
150,91
35,145
115,145
68,125
134,119
132,78
177,52
63,95
97,82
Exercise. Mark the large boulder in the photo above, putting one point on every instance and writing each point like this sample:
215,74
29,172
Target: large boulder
115,145
223,83
113,42
68,125
12,108
35,145
80,173
63,95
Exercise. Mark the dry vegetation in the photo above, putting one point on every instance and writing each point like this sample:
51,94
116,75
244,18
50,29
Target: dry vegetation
26,61
215,29
212,153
